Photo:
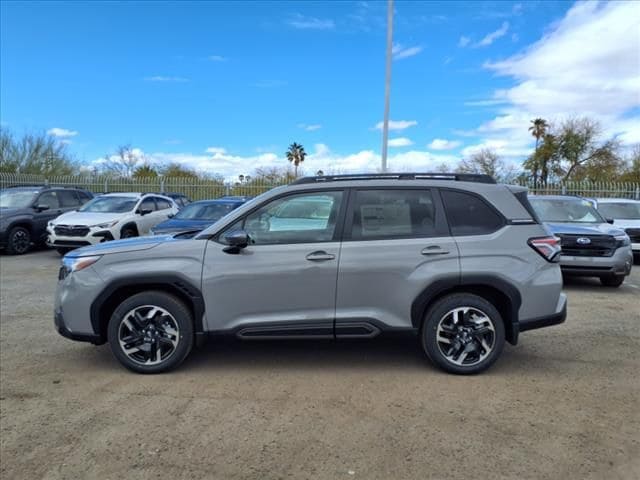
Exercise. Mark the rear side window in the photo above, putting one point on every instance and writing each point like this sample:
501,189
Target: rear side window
68,198
469,214
387,213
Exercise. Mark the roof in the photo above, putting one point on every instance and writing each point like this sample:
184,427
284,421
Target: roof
122,194
459,177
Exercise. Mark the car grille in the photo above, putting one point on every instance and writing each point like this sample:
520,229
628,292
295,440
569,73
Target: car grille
598,245
634,234
71,230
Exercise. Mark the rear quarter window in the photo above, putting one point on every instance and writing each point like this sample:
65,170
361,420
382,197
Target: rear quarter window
469,214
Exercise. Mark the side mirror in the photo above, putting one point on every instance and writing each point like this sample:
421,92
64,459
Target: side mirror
171,215
236,240
610,220
144,211
41,207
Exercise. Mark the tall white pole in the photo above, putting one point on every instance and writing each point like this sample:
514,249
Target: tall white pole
387,84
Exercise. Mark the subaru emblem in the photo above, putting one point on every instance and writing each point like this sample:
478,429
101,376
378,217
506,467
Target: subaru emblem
583,241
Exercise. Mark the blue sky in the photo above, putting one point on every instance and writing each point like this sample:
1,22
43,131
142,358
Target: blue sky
226,86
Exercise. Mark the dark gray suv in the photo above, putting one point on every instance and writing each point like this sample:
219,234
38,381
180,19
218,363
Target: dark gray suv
457,259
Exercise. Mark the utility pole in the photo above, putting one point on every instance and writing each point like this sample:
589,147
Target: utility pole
387,84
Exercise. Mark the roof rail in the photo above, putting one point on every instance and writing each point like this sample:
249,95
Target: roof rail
459,177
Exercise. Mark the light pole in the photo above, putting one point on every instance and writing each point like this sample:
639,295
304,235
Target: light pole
387,84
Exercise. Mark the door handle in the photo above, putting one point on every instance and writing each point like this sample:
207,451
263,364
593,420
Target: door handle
320,256
434,250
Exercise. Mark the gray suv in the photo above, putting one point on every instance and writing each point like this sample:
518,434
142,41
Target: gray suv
458,260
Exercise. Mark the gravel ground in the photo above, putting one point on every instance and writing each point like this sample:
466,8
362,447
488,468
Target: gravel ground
563,404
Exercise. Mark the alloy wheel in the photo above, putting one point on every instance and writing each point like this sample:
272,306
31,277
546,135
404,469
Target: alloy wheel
148,335
465,336
20,241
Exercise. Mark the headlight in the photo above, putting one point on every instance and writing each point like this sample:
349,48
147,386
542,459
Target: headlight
105,225
622,240
75,264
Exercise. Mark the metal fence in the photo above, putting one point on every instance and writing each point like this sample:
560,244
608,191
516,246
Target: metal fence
199,189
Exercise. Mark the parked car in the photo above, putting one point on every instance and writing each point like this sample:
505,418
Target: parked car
623,213
197,216
181,199
109,217
459,261
591,247
26,210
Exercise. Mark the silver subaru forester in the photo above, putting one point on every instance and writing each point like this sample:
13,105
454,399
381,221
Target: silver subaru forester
462,262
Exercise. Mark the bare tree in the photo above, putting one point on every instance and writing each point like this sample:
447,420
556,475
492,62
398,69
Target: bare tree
35,153
488,162
124,162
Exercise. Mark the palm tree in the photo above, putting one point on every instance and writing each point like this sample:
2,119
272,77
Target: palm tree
296,155
538,129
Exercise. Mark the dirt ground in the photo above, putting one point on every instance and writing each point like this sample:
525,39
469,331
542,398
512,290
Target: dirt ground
564,403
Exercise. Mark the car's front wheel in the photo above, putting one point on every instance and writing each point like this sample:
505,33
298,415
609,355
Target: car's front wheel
612,280
151,332
463,333
18,241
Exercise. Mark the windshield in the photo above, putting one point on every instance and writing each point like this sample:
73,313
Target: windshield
570,210
620,210
110,205
206,211
18,198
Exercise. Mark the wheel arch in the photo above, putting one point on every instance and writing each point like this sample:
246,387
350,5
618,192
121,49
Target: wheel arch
502,294
117,291
130,224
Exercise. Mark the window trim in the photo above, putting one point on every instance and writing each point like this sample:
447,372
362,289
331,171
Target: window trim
441,225
503,220
337,232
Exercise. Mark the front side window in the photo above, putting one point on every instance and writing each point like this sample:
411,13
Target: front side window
68,198
50,199
302,218
565,210
393,214
148,204
162,203
110,204
469,214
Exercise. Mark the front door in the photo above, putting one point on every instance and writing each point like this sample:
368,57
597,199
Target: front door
42,217
283,284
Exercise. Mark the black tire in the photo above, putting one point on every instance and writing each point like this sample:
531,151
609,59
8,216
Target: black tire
179,319
63,251
128,232
478,358
612,280
18,241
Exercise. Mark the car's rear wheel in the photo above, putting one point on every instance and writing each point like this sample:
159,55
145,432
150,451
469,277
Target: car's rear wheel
151,332
463,333
612,280
18,241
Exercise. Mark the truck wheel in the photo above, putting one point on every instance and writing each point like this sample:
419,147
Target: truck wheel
463,333
151,332
18,241
612,280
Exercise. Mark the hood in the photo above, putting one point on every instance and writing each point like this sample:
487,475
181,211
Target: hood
86,218
585,229
121,246
180,225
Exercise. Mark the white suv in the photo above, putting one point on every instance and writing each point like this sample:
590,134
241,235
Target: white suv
623,213
109,217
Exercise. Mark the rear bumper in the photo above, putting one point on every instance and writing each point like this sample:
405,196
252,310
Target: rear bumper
549,320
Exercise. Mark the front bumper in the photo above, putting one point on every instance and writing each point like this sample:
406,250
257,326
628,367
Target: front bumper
549,320
63,330
618,264
94,237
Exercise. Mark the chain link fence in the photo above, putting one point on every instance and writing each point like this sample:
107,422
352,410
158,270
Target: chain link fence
200,189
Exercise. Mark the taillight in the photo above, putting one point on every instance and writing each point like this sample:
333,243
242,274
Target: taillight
548,247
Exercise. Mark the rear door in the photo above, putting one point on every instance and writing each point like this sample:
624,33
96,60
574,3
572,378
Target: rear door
396,243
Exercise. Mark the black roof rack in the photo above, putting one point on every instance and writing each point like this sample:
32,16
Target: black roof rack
459,177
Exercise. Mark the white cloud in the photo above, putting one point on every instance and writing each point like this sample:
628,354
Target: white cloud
160,78
216,58
399,51
399,142
310,128
442,144
397,124
216,150
558,77
303,22
464,41
61,132
493,36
